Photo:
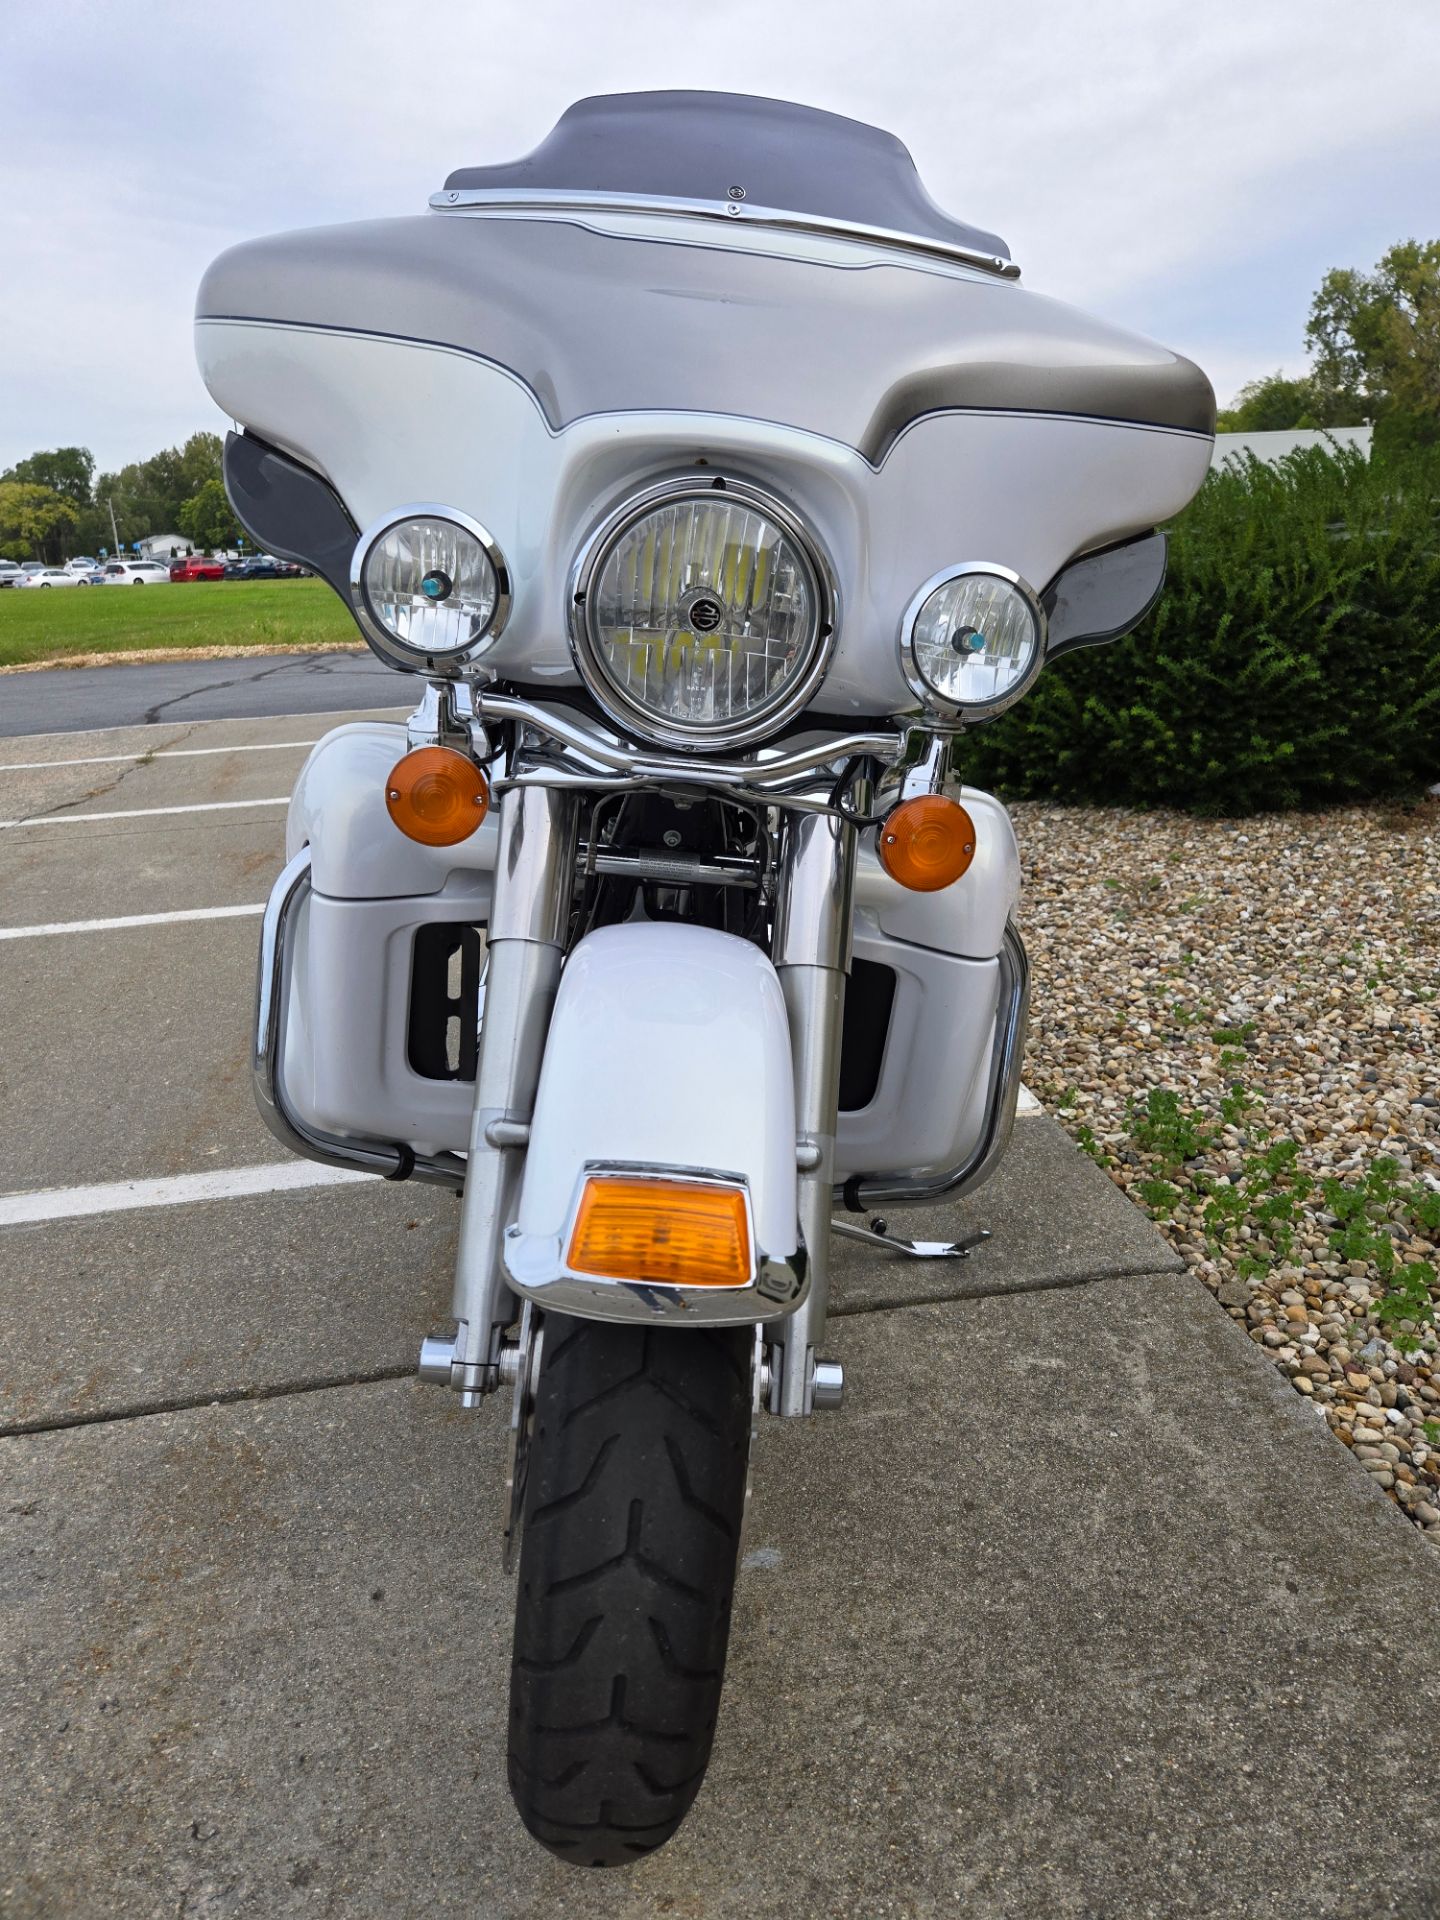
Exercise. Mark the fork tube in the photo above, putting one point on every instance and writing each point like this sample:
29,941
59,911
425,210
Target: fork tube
812,957
525,944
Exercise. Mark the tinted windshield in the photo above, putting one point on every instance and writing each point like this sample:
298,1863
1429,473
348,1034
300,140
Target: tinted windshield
719,146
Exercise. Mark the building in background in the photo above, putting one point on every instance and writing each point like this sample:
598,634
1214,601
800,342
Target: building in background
1271,447
169,546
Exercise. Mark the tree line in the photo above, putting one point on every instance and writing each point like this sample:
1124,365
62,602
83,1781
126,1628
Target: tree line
53,504
1374,346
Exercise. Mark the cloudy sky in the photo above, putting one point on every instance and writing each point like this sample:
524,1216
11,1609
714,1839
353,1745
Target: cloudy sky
1189,170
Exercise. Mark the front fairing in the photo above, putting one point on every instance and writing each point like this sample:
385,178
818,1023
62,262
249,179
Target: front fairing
388,419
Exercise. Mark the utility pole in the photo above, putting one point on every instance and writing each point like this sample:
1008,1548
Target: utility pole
114,534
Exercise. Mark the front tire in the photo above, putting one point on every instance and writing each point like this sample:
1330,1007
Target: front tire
634,1497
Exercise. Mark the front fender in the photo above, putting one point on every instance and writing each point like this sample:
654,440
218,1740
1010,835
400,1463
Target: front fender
668,1052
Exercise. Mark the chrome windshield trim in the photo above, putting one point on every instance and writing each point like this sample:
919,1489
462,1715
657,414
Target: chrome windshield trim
735,212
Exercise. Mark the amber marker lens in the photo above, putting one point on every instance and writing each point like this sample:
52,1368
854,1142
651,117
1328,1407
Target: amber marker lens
927,843
673,1232
436,796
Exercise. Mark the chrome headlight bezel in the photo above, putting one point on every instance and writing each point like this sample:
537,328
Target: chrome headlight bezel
633,716
958,710
395,651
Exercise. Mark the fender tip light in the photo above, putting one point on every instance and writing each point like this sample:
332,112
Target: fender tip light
436,796
671,1232
927,843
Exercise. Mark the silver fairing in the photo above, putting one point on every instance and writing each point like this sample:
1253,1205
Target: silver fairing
531,355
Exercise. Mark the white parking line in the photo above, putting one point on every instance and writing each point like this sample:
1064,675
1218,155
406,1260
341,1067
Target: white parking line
143,813
164,753
138,726
128,1196
130,920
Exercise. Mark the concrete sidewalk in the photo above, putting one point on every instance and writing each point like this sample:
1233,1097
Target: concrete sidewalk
1074,1609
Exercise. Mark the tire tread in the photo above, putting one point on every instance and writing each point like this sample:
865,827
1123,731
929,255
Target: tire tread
627,1569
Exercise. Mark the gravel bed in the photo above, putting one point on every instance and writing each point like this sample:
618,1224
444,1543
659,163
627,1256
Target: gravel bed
1310,945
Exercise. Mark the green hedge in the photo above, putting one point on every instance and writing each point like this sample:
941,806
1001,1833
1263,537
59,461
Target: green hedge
1293,660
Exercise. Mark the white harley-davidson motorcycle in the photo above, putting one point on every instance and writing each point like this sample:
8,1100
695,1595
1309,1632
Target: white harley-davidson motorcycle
711,481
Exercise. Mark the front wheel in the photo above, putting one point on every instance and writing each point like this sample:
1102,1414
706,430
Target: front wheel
634,1496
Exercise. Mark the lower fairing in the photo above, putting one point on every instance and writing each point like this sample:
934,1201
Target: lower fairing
382,987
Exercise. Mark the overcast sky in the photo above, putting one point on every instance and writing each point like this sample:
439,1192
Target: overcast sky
1189,168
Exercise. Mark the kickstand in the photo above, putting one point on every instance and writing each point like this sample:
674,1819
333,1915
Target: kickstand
877,1234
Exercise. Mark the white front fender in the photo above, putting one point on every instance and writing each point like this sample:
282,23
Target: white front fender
668,1052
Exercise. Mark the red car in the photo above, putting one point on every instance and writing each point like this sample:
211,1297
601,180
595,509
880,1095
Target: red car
197,566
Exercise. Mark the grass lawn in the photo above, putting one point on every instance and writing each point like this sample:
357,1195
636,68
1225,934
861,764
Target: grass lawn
68,621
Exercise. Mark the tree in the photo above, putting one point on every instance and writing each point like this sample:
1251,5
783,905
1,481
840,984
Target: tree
69,471
34,520
207,520
200,460
1268,405
1375,338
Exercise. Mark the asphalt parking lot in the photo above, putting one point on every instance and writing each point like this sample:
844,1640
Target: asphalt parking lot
1072,1610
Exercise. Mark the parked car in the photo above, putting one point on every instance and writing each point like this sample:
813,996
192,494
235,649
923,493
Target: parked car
264,566
32,566
48,577
197,566
94,578
10,574
134,573
81,563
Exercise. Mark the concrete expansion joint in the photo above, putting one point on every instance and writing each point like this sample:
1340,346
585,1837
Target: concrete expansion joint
192,1403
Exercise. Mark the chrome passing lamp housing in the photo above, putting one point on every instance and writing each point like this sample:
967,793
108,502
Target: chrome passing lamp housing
972,641
702,613
430,589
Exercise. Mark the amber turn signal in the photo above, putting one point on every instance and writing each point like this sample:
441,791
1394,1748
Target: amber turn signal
673,1232
927,843
436,796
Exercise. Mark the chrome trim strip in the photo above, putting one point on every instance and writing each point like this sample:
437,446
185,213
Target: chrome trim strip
632,714
547,201
394,652
865,1190
392,1161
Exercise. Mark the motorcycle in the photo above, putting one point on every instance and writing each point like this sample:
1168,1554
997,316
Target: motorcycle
710,482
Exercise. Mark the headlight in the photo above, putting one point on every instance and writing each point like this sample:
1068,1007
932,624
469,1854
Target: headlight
973,639
703,614
430,589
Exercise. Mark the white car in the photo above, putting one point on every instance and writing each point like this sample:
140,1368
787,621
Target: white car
135,573
80,563
48,577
